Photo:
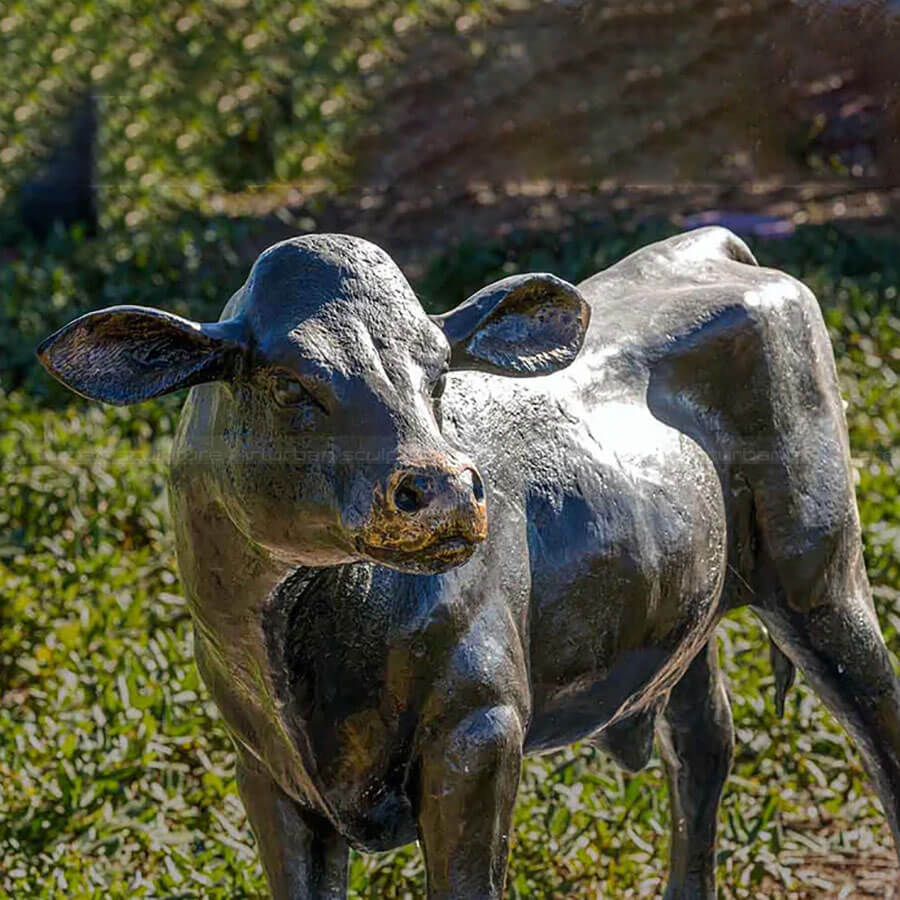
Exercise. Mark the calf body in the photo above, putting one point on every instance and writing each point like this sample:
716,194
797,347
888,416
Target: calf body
408,580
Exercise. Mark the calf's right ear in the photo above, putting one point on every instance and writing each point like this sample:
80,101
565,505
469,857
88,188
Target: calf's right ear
126,354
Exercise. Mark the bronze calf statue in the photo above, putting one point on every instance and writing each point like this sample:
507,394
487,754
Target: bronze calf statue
417,548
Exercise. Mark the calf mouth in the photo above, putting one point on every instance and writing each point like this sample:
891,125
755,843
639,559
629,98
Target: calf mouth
439,555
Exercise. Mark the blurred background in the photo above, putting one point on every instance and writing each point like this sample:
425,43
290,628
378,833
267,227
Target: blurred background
149,151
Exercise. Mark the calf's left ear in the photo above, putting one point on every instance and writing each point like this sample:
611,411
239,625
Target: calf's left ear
522,325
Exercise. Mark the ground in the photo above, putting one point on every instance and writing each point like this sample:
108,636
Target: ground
116,774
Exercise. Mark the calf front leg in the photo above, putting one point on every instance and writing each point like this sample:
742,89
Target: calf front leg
697,742
468,790
303,857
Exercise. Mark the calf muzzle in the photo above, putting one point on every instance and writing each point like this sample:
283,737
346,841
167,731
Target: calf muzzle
427,518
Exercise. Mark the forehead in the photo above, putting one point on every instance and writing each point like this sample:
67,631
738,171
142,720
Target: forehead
304,276
328,294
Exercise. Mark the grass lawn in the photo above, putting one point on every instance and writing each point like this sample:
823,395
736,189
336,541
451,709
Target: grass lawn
116,777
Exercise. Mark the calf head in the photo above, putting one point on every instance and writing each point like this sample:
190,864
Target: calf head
322,419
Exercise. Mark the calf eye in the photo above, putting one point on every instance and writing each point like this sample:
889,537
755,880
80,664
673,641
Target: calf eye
288,391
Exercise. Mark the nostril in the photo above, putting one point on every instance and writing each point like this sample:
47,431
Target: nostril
477,487
412,494
406,499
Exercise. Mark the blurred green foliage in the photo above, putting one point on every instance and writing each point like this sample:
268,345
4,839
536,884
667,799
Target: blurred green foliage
115,774
199,99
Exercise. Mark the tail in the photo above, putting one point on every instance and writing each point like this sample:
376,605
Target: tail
785,673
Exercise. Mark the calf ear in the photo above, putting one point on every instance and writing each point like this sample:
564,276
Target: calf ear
126,354
521,325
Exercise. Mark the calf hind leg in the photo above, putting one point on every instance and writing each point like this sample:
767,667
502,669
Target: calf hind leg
837,644
697,742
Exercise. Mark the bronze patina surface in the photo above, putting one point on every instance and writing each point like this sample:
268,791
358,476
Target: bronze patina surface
416,548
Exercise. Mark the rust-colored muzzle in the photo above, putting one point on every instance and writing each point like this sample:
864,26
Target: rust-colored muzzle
427,519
